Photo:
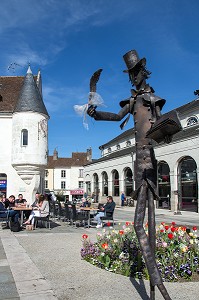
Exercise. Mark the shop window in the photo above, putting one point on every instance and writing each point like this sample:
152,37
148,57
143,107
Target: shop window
104,184
116,188
128,182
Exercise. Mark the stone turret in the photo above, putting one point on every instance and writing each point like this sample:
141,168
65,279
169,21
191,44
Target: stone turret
30,134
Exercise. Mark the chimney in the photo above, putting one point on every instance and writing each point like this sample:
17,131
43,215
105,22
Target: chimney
89,154
55,155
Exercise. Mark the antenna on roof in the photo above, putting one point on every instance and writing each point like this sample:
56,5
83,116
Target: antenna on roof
13,66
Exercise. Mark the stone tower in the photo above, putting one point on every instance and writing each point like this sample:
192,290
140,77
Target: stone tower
30,136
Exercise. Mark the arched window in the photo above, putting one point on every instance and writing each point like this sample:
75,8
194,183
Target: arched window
104,184
24,137
192,121
164,185
116,187
187,184
128,182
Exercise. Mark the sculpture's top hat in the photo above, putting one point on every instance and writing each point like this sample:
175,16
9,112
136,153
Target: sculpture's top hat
131,59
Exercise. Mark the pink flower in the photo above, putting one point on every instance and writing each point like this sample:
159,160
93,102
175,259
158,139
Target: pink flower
164,244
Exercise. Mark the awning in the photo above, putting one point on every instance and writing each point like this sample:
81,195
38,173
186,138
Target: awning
77,192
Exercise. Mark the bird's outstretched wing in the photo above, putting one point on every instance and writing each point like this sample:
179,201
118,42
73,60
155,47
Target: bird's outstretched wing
94,79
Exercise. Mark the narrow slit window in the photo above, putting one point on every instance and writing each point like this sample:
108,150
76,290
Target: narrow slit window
24,137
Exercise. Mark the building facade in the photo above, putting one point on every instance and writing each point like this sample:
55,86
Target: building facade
24,135
65,176
177,172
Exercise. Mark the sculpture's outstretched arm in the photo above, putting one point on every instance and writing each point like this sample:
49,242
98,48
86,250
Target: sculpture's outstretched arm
108,116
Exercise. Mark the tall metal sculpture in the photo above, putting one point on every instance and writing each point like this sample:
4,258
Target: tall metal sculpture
145,107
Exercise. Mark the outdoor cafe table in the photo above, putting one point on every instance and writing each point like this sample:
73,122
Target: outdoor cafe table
22,209
89,210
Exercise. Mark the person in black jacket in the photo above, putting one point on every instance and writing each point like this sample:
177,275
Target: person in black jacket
14,215
107,209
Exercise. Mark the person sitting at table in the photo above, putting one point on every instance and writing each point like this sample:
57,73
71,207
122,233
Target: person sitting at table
20,201
5,201
108,208
11,202
36,199
40,210
4,212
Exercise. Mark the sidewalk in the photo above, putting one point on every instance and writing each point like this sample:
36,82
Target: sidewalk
45,264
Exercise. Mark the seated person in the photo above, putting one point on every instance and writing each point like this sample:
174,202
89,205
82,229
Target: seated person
11,202
4,212
5,201
40,210
20,201
36,199
108,208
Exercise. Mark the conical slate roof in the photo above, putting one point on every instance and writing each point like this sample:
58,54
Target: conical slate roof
30,98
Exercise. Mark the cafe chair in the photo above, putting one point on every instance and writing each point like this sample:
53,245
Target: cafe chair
79,217
45,220
4,218
67,213
107,217
54,211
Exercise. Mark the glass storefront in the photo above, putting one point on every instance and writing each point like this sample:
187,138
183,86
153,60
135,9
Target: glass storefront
164,185
104,184
116,188
188,184
128,182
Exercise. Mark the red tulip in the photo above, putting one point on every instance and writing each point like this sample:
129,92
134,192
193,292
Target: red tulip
108,223
173,223
170,236
105,246
173,229
121,232
84,236
127,223
194,228
166,227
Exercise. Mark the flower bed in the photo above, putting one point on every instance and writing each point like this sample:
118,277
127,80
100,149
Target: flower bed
177,252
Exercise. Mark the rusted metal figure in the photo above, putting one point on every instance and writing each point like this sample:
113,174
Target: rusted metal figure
145,107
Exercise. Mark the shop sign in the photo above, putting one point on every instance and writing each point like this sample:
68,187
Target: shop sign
76,192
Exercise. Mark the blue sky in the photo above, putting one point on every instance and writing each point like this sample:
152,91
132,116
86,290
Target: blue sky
70,40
